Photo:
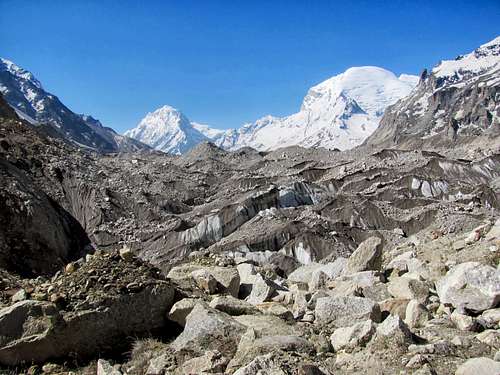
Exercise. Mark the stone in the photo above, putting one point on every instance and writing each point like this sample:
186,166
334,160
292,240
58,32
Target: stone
205,281
491,318
276,309
263,365
395,330
212,361
463,322
366,257
20,295
262,290
377,292
208,329
181,309
490,337
126,253
407,288
159,365
233,306
348,338
269,325
470,285
305,273
345,311
105,368
395,306
35,331
480,365
228,277
247,273
416,314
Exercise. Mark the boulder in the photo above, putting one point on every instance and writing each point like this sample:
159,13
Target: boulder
408,288
348,338
393,330
205,281
345,311
228,277
262,364
366,257
481,365
34,331
232,306
470,285
181,309
105,368
212,361
416,314
276,309
262,290
208,329
490,337
463,322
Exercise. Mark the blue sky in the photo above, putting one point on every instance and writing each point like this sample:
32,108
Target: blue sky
225,62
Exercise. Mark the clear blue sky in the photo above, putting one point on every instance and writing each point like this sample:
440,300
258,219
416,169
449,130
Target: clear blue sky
225,62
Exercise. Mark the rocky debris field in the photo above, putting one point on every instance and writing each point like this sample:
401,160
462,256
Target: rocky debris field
296,261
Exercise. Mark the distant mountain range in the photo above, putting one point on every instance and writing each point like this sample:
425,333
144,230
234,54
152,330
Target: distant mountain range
340,112
457,100
31,102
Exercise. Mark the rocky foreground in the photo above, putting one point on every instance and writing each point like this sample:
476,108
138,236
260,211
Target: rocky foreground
296,261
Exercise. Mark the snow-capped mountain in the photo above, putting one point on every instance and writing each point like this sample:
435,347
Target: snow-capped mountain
458,100
31,102
340,112
169,130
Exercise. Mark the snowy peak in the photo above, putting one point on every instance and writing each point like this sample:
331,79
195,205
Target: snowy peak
471,66
169,130
371,87
26,95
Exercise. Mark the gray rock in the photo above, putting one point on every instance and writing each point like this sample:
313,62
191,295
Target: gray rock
262,365
20,295
481,365
471,285
463,322
205,281
348,338
366,257
208,329
262,290
228,277
181,309
416,314
407,288
394,329
490,337
34,331
211,362
345,311
232,306
105,368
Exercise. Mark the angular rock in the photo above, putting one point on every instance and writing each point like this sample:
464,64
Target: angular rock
416,314
208,329
105,368
211,362
228,277
463,322
205,281
490,337
262,290
349,338
407,288
276,309
393,329
345,311
470,285
181,309
366,257
232,306
263,364
481,365
34,331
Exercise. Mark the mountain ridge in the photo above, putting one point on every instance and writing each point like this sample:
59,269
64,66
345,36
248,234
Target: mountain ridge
339,112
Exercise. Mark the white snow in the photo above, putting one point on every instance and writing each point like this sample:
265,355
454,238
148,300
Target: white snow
340,112
484,58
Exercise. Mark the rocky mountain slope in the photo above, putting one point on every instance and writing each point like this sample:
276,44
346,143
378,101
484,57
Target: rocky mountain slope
457,102
31,102
294,261
340,112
